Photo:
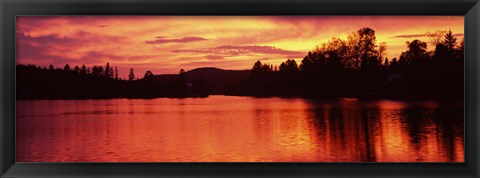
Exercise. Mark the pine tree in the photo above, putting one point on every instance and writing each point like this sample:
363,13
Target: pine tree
83,70
67,67
450,40
131,75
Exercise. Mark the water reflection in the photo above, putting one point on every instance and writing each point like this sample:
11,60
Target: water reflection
238,129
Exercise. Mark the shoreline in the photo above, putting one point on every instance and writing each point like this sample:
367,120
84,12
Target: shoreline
457,100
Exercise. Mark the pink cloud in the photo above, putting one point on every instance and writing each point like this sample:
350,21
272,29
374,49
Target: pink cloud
100,55
54,49
214,57
420,35
142,57
264,59
162,39
120,40
242,50
102,26
244,64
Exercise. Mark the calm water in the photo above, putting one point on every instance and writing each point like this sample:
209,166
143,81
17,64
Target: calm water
238,129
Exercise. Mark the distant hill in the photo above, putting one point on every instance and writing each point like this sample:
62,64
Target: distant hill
220,81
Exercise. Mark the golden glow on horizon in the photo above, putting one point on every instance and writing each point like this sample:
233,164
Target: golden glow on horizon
164,44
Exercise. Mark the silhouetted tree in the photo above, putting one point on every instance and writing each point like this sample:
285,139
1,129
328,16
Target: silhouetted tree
289,66
393,65
435,37
367,49
354,67
441,53
97,71
182,76
416,53
461,49
386,62
309,62
382,48
257,66
67,67
131,75
148,74
450,41
462,45
108,71
116,73
367,42
352,60
76,69
101,71
83,69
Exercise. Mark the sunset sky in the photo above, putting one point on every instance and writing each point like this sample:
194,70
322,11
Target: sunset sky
165,44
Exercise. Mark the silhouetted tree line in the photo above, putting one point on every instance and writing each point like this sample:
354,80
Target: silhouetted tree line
34,82
356,67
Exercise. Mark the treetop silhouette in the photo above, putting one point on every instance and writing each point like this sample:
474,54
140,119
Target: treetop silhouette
355,67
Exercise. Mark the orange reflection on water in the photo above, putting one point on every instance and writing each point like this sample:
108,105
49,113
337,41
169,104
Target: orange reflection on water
238,129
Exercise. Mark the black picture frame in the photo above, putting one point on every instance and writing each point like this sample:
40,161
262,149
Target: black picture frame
9,9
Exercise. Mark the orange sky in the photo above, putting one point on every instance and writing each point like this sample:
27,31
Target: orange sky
164,44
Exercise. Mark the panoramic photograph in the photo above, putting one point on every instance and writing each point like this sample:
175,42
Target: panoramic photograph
240,89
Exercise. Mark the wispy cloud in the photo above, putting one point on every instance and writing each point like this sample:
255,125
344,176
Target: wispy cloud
219,64
214,57
264,58
102,55
102,26
163,39
242,50
420,35
143,57
162,44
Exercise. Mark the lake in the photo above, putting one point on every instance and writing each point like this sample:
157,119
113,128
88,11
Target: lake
239,129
